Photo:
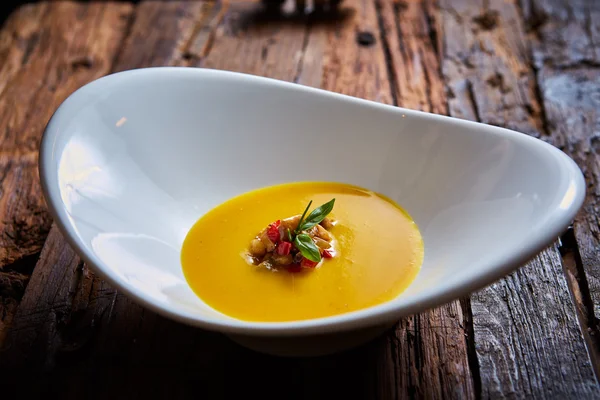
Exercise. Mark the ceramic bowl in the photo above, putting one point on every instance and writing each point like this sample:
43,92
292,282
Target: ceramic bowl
129,162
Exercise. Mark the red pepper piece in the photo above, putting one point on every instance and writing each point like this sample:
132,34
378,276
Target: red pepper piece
284,248
273,231
327,254
306,263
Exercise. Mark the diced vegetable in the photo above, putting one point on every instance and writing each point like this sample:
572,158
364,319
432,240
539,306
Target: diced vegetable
273,231
327,254
284,248
306,263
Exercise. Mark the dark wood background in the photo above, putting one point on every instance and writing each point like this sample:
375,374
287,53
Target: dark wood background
529,65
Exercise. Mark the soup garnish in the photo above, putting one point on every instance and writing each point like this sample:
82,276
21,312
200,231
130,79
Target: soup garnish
296,242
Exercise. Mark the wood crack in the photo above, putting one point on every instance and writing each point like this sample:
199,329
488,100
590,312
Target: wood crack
540,100
127,31
580,64
204,32
31,43
427,83
392,77
470,343
536,84
579,288
517,337
393,342
473,100
24,265
300,66
431,29
185,51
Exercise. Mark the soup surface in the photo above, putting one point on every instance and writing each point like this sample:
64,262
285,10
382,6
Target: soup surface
379,251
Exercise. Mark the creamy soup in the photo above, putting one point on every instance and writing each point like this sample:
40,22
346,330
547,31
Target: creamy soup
247,259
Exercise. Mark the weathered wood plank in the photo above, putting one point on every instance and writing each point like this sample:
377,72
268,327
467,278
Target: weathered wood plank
518,349
525,324
68,46
412,45
91,325
567,32
78,327
161,33
486,65
46,52
246,42
76,299
566,49
429,355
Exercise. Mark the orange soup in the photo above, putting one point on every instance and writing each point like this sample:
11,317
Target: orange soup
376,252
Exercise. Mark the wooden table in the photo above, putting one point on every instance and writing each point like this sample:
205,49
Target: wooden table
529,65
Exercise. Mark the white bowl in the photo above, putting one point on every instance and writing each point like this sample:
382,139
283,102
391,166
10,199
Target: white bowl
129,162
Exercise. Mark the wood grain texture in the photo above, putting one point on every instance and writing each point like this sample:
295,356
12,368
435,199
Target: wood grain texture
519,350
565,37
410,38
486,64
568,32
160,33
428,351
64,293
75,336
46,52
566,47
50,50
77,326
248,41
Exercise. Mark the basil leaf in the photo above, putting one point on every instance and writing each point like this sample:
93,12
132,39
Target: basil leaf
307,247
302,217
316,216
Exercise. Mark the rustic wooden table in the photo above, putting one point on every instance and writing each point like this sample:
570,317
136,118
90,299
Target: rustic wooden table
529,65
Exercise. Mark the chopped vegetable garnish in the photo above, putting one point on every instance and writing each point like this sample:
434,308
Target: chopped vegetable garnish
327,254
273,231
308,263
284,248
296,242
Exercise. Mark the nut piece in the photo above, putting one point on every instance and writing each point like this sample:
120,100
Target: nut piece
323,233
291,223
282,260
323,244
257,248
327,223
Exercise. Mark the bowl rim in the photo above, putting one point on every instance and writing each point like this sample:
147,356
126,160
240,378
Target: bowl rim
380,314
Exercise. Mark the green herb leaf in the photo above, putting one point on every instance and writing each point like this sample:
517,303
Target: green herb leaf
316,216
302,217
289,235
307,247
